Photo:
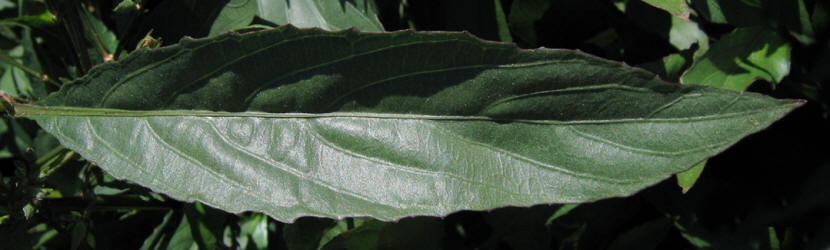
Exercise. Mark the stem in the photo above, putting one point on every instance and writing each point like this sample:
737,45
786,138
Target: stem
67,12
130,27
63,161
95,37
49,155
43,77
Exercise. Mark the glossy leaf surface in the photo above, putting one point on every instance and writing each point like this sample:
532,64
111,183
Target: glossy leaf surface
298,122
328,15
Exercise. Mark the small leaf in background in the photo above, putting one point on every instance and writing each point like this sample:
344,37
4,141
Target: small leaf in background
644,236
521,228
4,4
743,13
200,227
408,233
126,7
102,33
687,179
677,8
501,22
796,19
161,234
741,57
15,81
821,17
670,67
235,14
680,33
523,15
79,232
148,42
306,233
327,15
253,231
14,141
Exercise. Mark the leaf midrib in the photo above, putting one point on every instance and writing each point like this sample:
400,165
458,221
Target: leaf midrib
30,110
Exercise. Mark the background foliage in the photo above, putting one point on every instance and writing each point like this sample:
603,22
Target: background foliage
767,192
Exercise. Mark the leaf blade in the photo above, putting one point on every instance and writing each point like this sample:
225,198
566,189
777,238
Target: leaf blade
399,124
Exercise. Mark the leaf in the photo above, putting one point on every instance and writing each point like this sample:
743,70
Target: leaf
501,22
409,233
682,34
306,233
160,237
671,66
738,13
735,62
254,231
235,14
797,20
523,16
687,179
740,58
677,8
644,236
303,122
325,14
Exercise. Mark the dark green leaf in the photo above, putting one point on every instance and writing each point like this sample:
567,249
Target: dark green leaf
821,18
409,233
521,228
306,233
735,12
389,125
501,22
740,58
523,15
160,237
481,18
78,235
13,139
796,19
645,236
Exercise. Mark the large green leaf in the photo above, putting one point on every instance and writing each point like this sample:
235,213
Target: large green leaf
325,14
296,122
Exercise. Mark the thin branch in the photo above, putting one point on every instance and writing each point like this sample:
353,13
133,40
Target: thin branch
95,37
63,161
43,77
